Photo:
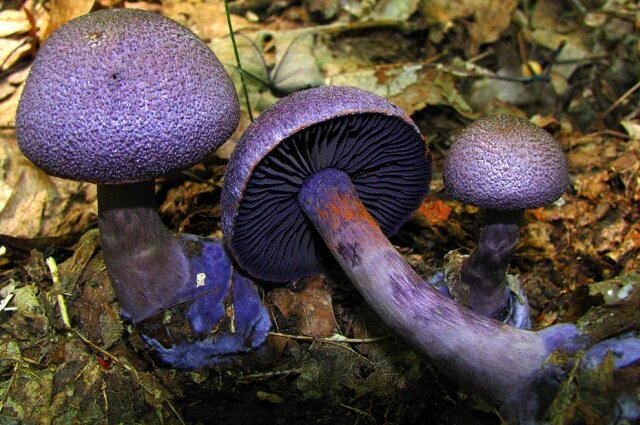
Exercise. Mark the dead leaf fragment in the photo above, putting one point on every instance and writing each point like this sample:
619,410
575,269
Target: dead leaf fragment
13,22
12,50
312,308
434,210
34,204
62,11
489,18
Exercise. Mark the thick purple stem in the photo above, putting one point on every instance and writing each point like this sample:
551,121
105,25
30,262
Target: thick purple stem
499,361
145,261
485,269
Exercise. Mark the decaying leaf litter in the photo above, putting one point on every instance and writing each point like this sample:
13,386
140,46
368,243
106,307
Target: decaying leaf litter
571,67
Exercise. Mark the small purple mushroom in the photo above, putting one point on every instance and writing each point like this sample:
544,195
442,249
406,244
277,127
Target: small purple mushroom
505,165
118,98
345,167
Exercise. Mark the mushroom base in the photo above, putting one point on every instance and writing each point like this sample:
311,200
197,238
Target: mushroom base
484,271
504,364
220,316
180,291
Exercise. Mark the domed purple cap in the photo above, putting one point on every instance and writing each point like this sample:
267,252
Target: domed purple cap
503,162
343,128
122,95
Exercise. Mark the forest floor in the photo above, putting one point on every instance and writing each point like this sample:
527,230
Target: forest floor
571,66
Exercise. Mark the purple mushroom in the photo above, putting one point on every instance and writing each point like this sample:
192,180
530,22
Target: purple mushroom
505,165
337,168
118,98
303,142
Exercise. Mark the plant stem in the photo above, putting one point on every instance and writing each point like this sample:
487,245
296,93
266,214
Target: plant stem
235,52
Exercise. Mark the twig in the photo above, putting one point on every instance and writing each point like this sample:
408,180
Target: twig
333,339
5,302
55,278
267,375
620,100
359,411
235,52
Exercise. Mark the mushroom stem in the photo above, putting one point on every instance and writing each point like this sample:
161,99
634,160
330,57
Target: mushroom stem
499,361
181,291
144,259
485,269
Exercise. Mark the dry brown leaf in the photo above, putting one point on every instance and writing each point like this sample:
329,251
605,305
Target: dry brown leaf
592,186
312,307
207,20
8,86
63,11
490,18
211,23
631,243
13,22
539,236
33,204
410,86
11,51
8,108
143,5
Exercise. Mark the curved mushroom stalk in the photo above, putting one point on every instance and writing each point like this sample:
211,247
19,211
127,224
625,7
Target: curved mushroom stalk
485,269
499,361
512,367
482,280
180,291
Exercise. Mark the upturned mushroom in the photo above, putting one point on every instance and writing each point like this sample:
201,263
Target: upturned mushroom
505,165
342,139
337,168
118,98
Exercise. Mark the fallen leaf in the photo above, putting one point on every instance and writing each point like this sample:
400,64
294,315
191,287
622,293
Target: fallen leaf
632,127
62,11
592,186
488,18
395,10
312,307
630,244
13,22
410,86
34,204
210,21
434,210
12,50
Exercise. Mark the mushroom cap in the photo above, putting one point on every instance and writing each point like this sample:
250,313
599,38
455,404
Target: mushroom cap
121,96
345,128
505,163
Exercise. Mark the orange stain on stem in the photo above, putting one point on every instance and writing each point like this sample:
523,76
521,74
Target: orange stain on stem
342,208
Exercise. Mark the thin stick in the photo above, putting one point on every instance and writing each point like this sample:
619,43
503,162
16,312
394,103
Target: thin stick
620,100
235,52
333,339
55,278
267,375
